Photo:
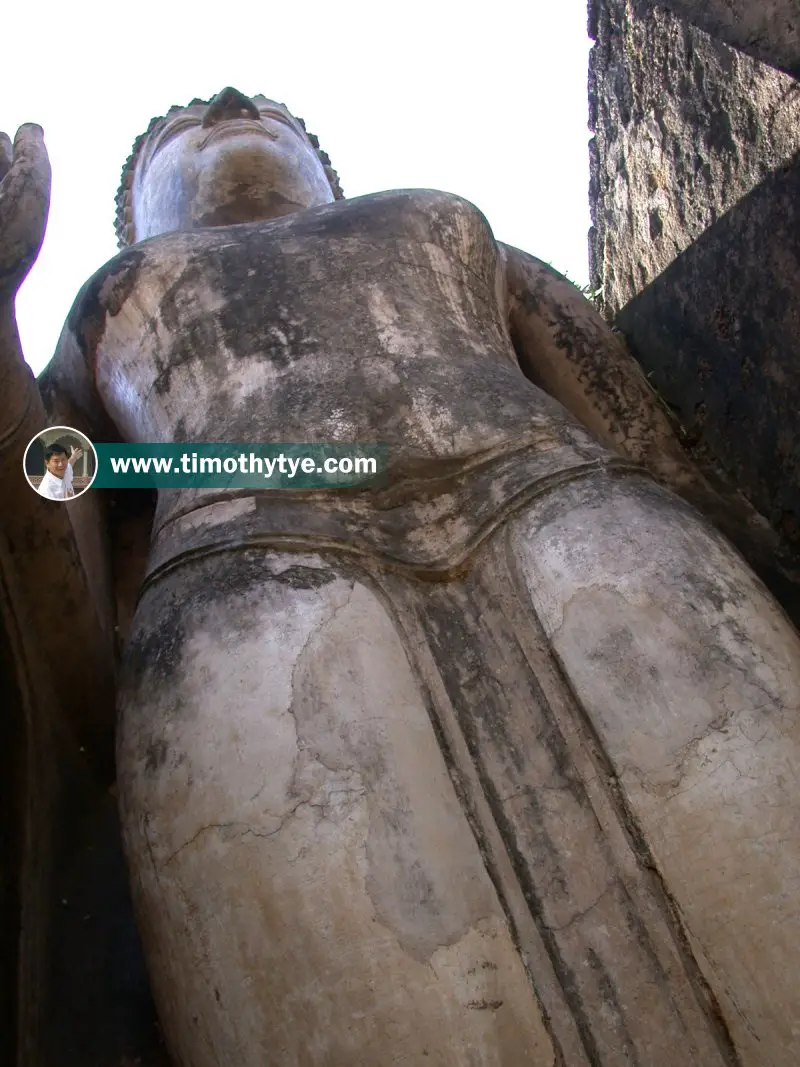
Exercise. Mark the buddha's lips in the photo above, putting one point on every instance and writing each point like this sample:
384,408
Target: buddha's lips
233,127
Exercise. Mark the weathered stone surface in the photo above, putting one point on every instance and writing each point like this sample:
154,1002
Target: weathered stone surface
402,770
718,335
567,349
609,964
684,127
768,30
318,820
691,757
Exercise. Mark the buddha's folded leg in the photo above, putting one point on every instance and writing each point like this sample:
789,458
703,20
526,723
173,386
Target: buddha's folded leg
688,675
308,888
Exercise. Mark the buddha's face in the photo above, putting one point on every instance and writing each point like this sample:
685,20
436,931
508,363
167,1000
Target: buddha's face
234,160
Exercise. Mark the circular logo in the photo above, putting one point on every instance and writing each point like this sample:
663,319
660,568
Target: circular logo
60,463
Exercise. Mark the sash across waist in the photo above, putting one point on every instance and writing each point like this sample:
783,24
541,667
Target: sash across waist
428,525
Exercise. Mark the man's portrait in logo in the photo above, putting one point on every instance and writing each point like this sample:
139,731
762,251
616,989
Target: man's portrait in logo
60,463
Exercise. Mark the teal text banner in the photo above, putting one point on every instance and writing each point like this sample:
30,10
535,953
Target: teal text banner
239,466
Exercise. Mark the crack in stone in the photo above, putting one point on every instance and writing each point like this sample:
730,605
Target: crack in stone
248,830
580,914
218,826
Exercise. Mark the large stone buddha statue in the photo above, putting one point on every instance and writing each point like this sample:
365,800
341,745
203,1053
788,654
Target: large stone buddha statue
492,765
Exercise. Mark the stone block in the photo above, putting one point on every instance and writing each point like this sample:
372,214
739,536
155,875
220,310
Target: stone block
718,335
684,128
768,30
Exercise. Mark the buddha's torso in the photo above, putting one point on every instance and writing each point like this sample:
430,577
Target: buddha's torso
376,318
379,319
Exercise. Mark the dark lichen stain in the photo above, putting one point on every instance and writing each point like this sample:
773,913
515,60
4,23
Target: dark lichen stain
612,997
484,965
583,343
156,755
221,587
103,295
303,577
723,321
154,649
484,1005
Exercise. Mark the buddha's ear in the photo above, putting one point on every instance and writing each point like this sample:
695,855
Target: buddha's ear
123,220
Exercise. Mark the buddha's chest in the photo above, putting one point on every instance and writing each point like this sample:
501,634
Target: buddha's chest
329,319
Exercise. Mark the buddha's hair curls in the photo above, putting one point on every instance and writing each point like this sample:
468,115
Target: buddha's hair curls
123,223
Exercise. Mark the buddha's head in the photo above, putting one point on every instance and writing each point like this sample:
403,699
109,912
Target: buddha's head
215,163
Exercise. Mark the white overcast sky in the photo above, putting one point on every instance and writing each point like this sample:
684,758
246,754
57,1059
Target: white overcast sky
485,100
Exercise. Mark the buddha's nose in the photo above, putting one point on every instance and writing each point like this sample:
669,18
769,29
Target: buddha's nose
230,104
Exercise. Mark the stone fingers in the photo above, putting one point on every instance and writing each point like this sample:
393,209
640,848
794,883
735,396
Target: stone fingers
24,204
5,154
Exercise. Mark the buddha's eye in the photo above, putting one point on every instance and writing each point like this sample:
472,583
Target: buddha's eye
276,116
174,128
180,125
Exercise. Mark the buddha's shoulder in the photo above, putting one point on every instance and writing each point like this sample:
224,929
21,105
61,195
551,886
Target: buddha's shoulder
144,271
393,201
389,212
160,261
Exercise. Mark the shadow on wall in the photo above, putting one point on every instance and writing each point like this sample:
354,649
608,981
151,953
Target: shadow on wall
768,30
718,336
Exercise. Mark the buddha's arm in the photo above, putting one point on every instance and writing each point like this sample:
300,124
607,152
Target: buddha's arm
566,348
59,591
112,527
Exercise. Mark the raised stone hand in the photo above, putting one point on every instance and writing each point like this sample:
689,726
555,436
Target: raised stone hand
24,204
